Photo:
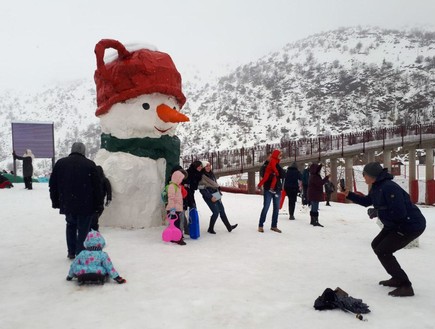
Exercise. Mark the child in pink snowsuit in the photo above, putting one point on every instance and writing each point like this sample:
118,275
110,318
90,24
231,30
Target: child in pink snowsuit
176,193
271,170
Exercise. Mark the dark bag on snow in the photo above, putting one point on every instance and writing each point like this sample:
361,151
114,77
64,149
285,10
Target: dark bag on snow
338,298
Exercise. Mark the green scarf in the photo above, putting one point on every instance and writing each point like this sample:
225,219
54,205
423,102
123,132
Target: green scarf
166,147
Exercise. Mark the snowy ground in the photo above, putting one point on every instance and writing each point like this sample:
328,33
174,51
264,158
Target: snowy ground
242,279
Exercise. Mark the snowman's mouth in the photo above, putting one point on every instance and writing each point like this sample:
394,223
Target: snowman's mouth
162,130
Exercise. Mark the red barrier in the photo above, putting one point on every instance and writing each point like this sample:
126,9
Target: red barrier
430,192
341,197
413,191
237,190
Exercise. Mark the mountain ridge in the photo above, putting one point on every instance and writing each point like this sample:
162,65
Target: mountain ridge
328,83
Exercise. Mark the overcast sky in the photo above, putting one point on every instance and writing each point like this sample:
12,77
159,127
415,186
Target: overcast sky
53,40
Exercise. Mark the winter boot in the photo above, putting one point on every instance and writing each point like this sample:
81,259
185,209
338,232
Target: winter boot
315,218
393,282
227,223
232,227
403,291
179,242
211,225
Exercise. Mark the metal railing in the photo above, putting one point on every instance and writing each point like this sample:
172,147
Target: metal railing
251,158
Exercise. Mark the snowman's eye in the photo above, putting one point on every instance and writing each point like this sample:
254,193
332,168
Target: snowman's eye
146,106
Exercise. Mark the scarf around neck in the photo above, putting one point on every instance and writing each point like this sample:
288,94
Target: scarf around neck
166,147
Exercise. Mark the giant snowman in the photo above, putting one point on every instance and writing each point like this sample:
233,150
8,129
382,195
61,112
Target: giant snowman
138,97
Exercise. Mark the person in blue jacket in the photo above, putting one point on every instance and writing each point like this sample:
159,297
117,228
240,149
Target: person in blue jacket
402,223
93,264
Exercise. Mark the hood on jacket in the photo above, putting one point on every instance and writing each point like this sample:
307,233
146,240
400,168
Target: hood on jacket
384,175
275,155
177,177
315,168
94,239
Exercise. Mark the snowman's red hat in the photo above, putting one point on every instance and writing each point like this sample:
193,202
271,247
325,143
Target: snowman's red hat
133,74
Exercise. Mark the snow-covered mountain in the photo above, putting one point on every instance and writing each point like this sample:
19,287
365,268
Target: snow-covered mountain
329,83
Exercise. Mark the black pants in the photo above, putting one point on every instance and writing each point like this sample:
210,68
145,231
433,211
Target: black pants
388,242
292,196
28,182
77,228
94,222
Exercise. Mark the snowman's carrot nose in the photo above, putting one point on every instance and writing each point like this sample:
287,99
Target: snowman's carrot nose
167,114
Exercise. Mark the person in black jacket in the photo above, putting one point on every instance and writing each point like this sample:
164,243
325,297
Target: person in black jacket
27,159
194,175
402,223
75,189
329,189
291,187
271,195
106,189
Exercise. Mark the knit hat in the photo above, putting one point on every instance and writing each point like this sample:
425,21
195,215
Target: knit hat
78,147
372,169
205,163
132,74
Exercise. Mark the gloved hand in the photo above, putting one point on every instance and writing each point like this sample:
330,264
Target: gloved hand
108,202
120,280
68,278
372,212
172,211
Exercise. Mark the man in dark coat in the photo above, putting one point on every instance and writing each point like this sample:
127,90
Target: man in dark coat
402,223
291,187
75,189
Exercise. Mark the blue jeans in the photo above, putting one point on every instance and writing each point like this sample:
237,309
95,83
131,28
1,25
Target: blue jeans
77,228
267,198
314,206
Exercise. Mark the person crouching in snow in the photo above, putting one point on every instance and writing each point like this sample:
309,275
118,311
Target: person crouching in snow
93,264
402,222
271,171
176,193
